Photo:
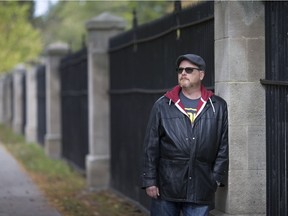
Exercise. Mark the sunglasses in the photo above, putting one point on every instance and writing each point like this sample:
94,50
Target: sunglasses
188,70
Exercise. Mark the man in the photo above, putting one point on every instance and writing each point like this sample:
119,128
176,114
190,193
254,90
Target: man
186,145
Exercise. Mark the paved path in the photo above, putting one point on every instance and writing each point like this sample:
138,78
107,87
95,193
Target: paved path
18,194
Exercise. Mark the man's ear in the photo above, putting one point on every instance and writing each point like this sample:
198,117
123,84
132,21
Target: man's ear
202,74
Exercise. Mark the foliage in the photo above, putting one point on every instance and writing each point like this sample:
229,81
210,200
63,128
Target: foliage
19,41
147,11
66,20
63,187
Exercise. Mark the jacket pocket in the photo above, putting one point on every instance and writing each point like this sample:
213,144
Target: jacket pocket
206,184
173,176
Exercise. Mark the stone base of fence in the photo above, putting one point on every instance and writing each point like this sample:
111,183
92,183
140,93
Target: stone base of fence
31,134
215,212
53,146
98,171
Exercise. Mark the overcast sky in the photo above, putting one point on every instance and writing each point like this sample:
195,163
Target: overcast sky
41,6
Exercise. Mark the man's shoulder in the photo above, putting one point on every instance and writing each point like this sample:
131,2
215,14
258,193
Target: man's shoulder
162,99
161,102
218,99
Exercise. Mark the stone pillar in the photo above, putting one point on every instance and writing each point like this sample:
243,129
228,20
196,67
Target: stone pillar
239,65
18,99
31,103
53,110
99,30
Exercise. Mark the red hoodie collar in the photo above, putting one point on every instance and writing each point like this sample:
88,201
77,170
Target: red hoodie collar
173,95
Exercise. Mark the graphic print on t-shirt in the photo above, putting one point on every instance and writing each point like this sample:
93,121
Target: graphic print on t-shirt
191,113
190,106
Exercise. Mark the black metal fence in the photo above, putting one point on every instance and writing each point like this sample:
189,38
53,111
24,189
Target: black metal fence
41,103
142,68
74,107
276,84
23,90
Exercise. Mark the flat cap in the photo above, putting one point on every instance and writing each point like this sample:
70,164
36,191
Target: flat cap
194,59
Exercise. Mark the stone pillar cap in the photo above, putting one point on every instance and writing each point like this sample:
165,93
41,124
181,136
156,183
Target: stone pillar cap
105,21
20,68
57,48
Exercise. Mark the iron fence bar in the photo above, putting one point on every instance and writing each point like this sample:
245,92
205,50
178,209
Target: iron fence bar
137,90
143,91
73,93
273,82
154,37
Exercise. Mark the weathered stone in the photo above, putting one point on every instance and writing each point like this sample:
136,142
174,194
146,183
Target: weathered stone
99,30
53,110
239,65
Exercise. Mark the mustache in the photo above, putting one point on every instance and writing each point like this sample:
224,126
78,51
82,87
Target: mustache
183,78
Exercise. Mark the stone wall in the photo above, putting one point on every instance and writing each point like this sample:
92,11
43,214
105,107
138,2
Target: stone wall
239,66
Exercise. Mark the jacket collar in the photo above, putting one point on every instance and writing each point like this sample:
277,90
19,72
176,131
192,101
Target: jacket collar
173,95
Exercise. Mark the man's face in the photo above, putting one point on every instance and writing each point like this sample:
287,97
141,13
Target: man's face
188,80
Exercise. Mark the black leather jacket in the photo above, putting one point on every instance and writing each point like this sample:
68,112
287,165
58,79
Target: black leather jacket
186,160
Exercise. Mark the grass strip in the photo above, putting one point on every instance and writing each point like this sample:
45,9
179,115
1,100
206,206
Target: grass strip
55,178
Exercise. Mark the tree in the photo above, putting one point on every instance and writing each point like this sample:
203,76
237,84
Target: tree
19,41
65,20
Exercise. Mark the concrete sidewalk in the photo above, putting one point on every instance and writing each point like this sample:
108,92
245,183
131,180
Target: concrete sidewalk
19,196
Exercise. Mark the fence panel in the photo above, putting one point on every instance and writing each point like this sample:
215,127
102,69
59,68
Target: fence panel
41,104
23,86
142,68
74,108
276,84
